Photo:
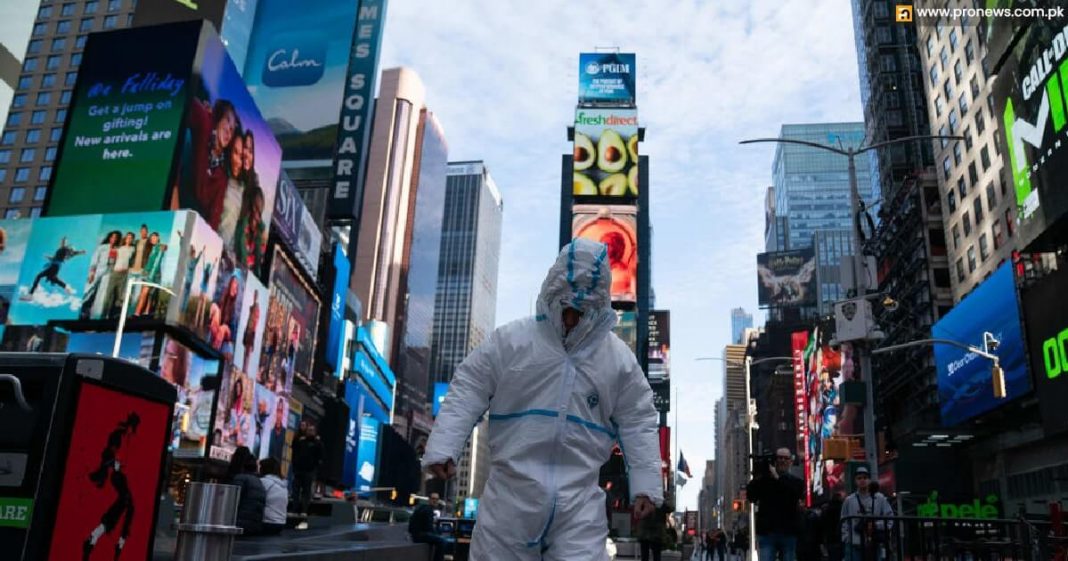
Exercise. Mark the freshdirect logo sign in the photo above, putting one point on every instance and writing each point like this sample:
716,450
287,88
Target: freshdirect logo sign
300,63
1043,76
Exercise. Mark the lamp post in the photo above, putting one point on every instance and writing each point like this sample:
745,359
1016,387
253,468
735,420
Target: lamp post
860,286
126,305
750,413
989,343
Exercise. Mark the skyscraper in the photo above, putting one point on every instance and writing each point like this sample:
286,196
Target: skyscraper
909,243
466,299
812,196
739,322
39,106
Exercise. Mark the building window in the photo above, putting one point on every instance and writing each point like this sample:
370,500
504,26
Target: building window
8,138
64,98
984,249
14,119
946,166
5,156
951,201
79,43
50,154
55,134
35,212
947,88
61,115
110,22
940,26
942,132
963,102
953,121
991,197
19,101
956,237
962,188
37,117
114,5
40,29
930,45
46,173
1010,222
44,98
971,259
939,106
68,10
86,25
22,175
977,206
91,6
53,62
63,27
25,82
34,47
39,193
958,72
17,194
12,213
27,155
954,39
969,53
967,138
967,222
944,57
59,44
986,67
960,270
3,174
980,122
956,153
972,175
70,78
934,74
30,65
984,158
995,231
75,59
44,12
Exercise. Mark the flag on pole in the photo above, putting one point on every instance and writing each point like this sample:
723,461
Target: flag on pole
683,467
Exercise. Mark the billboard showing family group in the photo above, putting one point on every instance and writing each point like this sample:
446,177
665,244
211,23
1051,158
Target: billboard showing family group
178,130
77,267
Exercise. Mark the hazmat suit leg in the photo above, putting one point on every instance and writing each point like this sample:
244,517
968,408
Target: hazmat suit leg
579,529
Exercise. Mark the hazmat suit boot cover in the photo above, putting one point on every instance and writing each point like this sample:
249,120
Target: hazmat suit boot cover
557,404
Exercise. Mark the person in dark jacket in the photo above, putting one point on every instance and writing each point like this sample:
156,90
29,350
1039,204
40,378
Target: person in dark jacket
307,456
830,520
778,495
652,528
423,528
253,499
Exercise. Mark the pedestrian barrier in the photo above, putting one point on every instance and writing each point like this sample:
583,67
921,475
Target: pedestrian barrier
911,538
207,528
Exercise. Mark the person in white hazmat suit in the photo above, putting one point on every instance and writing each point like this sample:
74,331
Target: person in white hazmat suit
560,389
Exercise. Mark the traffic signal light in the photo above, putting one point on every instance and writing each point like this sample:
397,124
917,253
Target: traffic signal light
736,505
393,494
691,532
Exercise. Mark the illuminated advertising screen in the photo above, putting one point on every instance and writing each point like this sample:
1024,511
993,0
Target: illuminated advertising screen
1046,310
194,377
134,347
111,474
616,227
799,342
234,425
296,67
230,159
659,345
1031,100
626,328
289,335
440,389
374,374
606,153
77,267
607,78
200,274
123,122
337,307
965,390
15,234
249,336
367,453
787,278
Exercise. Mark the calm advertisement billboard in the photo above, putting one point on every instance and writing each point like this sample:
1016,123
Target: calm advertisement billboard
124,120
616,227
787,278
1030,96
965,390
607,78
606,153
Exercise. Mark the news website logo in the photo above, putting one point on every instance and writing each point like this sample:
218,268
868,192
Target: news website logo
903,13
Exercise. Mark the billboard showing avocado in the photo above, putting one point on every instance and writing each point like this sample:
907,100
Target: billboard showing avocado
606,153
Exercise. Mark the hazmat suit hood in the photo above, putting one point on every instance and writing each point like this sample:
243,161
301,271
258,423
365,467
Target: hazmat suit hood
580,279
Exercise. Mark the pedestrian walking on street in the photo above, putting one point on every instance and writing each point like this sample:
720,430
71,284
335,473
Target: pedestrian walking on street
652,531
560,390
307,456
778,495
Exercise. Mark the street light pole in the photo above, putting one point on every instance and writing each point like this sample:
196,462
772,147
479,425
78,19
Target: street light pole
126,306
859,286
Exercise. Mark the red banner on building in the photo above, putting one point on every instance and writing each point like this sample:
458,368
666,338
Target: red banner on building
799,342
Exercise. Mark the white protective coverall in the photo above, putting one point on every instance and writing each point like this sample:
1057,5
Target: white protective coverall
556,405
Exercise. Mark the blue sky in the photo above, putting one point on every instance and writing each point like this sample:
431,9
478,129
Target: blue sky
502,78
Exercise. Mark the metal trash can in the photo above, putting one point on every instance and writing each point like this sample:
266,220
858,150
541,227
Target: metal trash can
206,531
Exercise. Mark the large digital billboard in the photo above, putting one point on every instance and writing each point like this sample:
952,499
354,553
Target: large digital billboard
616,227
659,345
1031,96
367,453
965,390
337,307
230,159
289,335
626,328
196,379
787,278
607,78
123,122
606,153
1046,310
